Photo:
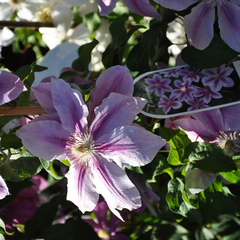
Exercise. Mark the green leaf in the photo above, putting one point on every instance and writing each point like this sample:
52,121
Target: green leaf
178,141
44,217
81,64
48,166
3,228
10,140
93,21
233,177
70,230
119,37
216,54
209,158
162,167
169,231
178,202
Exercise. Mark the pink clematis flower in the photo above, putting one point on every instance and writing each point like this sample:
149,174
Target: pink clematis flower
199,23
97,149
167,103
10,87
217,126
107,229
140,7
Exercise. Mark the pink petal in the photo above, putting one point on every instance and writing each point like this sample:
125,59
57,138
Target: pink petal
130,146
44,139
143,8
229,18
81,190
116,188
116,111
69,105
199,25
115,79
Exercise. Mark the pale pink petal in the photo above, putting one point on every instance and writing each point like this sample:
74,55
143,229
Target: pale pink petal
3,188
199,25
44,139
229,18
69,105
81,190
117,110
114,185
130,146
114,79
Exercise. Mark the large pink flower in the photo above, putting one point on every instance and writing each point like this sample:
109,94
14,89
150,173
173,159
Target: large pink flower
98,148
199,23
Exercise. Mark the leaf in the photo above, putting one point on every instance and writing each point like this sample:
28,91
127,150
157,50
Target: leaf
48,166
10,140
178,141
233,177
162,167
178,202
81,64
44,217
209,158
93,21
216,54
169,231
70,230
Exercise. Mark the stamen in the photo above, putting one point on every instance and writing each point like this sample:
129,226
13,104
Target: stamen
229,142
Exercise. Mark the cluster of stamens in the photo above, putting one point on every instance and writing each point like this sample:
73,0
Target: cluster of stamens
230,143
80,150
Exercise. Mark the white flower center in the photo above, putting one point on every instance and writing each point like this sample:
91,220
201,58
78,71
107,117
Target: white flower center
229,142
81,150
44,15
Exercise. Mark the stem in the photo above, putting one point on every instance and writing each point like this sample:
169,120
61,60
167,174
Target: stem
22,111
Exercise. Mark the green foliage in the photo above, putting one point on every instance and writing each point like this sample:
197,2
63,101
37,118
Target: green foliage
178,141
81,64
209,158
216,54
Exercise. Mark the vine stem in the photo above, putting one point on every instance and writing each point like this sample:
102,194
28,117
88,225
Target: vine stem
36,110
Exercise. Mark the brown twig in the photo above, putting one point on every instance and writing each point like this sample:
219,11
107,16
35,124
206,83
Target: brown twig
22,111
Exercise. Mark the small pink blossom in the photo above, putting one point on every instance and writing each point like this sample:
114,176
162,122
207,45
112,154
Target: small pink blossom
196,104
167,103
184,90
158,84
208,94
217,78
191,73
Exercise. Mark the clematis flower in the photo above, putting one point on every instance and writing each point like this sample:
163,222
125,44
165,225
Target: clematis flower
158,84
24,206
98,149
140,7
10,87
106,229
199,23
217,78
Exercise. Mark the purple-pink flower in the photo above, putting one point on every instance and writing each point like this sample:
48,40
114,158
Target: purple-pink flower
174,72
184,90
199,23
196,103
107,229
158,84
217,78
167,103
140,7
208,94
194,74
10,87
97,149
